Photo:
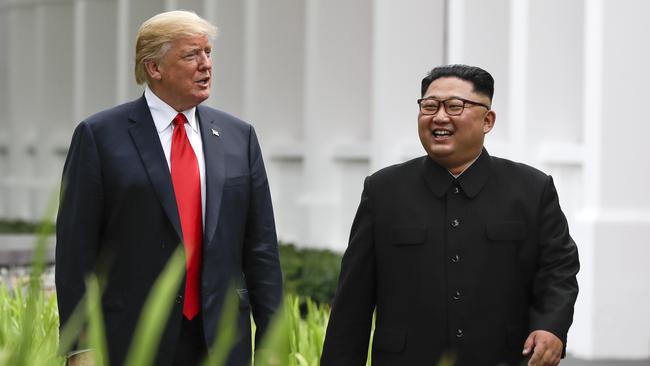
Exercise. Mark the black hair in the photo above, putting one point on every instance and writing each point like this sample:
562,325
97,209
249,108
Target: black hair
481,80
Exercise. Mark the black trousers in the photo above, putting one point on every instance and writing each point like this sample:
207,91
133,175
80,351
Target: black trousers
191,348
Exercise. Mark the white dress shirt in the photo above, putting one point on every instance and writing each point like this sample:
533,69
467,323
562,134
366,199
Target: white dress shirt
163,115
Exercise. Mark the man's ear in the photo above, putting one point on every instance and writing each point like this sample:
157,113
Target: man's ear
488,121
152,70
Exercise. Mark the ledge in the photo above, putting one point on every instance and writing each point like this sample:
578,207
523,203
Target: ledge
18,249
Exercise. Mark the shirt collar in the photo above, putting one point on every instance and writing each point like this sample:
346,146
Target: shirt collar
471,181
163,114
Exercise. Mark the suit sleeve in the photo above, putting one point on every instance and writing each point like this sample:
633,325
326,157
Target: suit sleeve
261,259
79,220
348,331
555,287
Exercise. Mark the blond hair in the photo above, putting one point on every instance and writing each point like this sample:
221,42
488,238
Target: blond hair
158,32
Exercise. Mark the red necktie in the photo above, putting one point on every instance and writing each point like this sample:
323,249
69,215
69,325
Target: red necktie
187,189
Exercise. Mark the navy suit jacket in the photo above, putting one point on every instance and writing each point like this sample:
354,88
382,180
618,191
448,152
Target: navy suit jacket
118,216
467,266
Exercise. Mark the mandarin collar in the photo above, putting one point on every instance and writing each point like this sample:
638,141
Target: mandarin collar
471,181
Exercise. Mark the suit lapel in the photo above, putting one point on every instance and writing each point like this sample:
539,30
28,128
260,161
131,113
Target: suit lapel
145,137
215,170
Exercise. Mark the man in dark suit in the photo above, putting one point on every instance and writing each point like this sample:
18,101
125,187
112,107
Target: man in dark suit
459,253
161,171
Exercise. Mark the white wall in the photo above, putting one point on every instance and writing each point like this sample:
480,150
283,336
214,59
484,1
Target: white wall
330,86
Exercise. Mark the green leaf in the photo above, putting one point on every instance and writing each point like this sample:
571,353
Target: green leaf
226,330
96,330
156,312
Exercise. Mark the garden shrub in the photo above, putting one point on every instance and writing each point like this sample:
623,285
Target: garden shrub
309,272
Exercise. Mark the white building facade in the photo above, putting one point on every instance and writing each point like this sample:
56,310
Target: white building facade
330,86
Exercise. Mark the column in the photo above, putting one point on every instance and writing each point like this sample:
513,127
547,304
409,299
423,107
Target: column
24,52
5,92
492,35
337,105
614,224
275,99
55,110
228,57
130,15
408,41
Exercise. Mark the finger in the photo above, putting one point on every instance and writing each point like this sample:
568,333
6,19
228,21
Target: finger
538,354
528,345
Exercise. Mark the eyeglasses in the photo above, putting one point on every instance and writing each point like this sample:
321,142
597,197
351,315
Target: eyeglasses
453,106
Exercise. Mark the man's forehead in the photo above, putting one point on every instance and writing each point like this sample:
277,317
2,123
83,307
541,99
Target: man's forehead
194,41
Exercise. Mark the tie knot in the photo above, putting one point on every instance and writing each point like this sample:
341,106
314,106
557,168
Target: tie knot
179,120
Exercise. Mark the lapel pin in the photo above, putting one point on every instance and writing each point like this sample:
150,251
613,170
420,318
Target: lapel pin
215,132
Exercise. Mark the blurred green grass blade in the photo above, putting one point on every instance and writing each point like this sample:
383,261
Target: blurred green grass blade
29,308
96,332
447,359
70,332
276,344
226,330
156,312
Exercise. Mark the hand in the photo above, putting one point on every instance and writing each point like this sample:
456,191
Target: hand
83,358
546,348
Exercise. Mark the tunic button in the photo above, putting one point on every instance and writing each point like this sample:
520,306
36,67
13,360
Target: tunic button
456,295
459,333
455,222
456,190
455,258
179,299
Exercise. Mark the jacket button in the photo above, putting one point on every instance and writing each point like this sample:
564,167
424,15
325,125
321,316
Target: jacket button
456,295
455,258
456,190
459,333
179,299
455,223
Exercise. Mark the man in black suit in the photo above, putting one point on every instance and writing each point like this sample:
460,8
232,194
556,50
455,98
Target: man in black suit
144,177
458,252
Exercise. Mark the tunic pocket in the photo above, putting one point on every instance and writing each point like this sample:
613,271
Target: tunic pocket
506,231
407,235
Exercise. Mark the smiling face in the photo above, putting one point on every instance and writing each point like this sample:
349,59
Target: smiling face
455,141
182,77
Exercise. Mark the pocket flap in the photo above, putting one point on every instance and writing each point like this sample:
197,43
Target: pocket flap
236,181
388,340
407,235
244,301
507,230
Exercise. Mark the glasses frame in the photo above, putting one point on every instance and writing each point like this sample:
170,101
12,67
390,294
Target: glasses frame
444,105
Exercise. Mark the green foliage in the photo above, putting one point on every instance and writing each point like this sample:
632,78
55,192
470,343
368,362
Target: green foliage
28,316
35,344
226,331
96,328
156,311
306,334
24,227
295,337
310,273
